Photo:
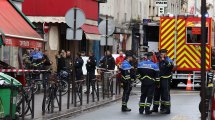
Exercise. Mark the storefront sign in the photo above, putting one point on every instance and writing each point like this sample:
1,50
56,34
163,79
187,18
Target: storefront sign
24,43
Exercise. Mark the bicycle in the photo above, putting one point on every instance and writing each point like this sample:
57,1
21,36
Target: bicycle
49,100
24,95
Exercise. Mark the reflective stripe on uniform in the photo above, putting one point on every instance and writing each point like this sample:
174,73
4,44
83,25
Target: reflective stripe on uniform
124,103
167,103
157,80
166,76
210,85
148,104
162,102
142,104
147,77
126,77
169,64
156,102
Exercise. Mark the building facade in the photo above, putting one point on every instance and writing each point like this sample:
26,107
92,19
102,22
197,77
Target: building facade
53,12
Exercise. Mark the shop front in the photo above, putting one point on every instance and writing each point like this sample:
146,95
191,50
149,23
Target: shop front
17,34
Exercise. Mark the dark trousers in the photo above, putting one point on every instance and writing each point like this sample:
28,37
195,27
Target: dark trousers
146,97
164,93
126,92
91,76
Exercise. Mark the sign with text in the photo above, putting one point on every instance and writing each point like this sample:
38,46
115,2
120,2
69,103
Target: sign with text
161,3
10,41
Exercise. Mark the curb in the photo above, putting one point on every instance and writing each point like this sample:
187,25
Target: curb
69,113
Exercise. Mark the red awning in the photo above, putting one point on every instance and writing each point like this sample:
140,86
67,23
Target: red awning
17,29
91,32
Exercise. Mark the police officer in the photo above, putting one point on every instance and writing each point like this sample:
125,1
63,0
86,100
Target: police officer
78,66
147,71
165,66
91,67
126,80
107,61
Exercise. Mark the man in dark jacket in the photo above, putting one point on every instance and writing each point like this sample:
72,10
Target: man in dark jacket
91,67
78,67
107,61
68,60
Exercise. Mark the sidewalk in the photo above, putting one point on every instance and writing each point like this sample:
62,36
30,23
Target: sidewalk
73,110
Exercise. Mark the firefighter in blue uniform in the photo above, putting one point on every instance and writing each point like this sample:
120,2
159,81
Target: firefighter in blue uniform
148,72
163,91
126,80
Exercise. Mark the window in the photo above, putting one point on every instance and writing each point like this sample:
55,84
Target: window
194,35
152,33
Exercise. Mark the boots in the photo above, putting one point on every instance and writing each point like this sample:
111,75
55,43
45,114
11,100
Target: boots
147,111
141,110
125,109
154,110
165,111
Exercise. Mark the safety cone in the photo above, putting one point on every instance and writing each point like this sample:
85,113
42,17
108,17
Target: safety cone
189,85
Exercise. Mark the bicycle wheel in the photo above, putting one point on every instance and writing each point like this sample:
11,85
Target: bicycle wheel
27,101
63,87
37,86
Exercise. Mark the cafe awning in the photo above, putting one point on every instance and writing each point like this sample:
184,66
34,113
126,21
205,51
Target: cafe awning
91,32
16,29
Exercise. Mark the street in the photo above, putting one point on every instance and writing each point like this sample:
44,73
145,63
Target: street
184,107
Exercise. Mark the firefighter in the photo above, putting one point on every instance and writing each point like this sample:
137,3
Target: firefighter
126,80
163,91
147,71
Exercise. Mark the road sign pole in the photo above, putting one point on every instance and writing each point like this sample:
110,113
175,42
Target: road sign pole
203,58
106,39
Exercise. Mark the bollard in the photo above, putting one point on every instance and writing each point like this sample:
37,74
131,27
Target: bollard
32,97
88,87
68,94
44,99
60,96
97,91
103,85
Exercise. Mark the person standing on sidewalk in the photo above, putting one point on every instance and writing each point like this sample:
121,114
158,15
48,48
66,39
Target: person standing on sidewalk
126,80
107,61
148,72
165,65
119,61
78,67
91,67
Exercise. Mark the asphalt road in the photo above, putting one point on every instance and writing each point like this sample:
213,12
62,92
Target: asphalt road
184,107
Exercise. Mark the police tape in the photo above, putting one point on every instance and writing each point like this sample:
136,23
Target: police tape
21,70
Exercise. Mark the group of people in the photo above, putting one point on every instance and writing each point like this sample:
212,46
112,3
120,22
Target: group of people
155,80
36,59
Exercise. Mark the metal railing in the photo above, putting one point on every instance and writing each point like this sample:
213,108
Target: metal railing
110,85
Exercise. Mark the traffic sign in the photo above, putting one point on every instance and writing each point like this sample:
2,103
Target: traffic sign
110,26
45,27
70,34
109,41
80,18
